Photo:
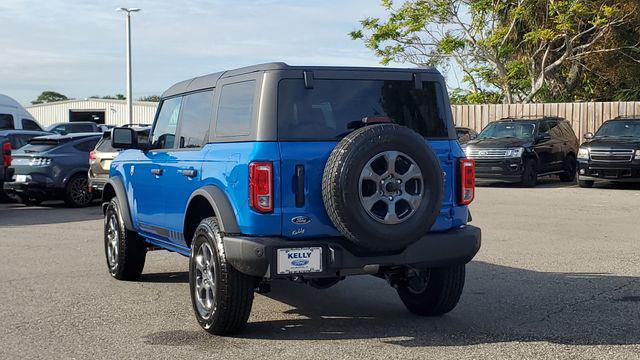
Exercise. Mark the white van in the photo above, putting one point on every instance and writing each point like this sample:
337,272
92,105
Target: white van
14,116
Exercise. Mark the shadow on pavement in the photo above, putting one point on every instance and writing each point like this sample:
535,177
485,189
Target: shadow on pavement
500,304
49,213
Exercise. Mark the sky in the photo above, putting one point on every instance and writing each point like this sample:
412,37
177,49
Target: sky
76,47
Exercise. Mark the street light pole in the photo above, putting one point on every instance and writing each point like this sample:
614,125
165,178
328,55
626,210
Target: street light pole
128,36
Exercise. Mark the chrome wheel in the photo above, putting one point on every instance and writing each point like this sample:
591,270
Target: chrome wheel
391,187
205,281
113,240
79,191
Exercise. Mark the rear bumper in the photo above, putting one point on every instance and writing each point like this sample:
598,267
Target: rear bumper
97,183
45,191
629,172
256,256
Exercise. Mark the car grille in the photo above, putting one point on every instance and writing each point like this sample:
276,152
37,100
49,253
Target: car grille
614,155
487,153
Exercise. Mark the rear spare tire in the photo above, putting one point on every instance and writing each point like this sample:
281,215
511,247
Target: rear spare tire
382,187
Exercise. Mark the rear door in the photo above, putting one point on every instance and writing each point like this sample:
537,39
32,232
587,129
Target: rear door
311,121
182,164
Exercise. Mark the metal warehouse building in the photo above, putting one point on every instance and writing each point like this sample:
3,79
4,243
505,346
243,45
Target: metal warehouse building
100,111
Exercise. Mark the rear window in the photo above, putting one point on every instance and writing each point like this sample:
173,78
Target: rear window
334,108
6,122
39,145
104,145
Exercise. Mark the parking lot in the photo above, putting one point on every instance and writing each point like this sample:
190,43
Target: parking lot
557,277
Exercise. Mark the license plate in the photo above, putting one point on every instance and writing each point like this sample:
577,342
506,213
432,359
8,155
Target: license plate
299,260
21,178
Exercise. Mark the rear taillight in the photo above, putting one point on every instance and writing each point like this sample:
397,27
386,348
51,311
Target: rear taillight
91,155
261,186
6,154
467,181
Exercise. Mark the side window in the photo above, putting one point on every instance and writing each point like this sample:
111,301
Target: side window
544,128
195,119
235,112
60,129
28,124
81,128
164,131
6,122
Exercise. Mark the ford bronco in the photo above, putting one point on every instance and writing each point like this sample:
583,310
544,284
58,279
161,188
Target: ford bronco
308,174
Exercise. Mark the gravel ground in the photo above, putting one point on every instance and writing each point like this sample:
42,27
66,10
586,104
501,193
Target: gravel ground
557,277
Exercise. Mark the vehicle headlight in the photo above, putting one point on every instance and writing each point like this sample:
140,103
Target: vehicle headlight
583,153
514,153
637,154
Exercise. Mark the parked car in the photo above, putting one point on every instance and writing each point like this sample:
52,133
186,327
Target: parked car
52,167
14,117
75,127
309,174
465,134
101,157
612,154
11,140
522,149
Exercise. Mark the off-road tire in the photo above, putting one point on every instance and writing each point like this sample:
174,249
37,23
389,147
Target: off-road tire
569,174
77,183
131,251
441,294
234,291
530,174
585,183
340,187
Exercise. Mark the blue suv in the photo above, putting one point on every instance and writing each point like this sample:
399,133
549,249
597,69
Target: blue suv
309,174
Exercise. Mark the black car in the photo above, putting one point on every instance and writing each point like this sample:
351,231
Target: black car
53,167
465,134
612,154
520,150
75,127
11,140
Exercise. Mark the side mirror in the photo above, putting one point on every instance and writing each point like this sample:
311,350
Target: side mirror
124,138
544,137
588,136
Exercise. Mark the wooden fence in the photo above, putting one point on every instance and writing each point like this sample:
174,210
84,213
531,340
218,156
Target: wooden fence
584,117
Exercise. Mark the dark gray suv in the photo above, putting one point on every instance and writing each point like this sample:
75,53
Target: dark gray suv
52,167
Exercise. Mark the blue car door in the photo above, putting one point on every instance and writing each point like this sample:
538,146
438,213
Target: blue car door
183,164
148,172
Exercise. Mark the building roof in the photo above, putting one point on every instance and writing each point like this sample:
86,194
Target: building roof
106,101
210,80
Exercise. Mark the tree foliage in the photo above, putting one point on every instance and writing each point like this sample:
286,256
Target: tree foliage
49,96
109,97
530,50
152,98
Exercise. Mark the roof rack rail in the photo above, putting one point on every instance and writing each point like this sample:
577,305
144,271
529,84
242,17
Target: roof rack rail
523,117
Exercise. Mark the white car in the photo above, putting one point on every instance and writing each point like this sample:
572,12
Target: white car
14,116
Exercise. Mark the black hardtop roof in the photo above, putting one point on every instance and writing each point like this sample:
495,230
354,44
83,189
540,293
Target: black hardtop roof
210,80
530,118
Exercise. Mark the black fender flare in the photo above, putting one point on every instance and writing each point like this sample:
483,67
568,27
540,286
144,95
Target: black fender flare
220,205
121,194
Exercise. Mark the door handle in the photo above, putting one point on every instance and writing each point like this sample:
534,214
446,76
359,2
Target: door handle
190,172
156,172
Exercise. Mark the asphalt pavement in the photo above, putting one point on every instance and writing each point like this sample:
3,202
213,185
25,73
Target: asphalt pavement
558,276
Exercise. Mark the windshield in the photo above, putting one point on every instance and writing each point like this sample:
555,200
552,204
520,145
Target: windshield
519,130
333,108
619,128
